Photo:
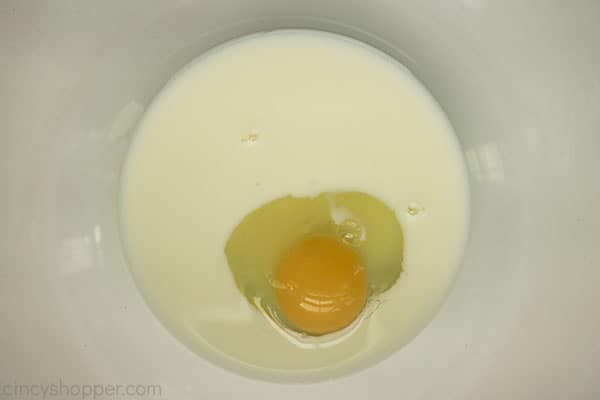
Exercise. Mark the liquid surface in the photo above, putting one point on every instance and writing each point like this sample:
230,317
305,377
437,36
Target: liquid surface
357,220
271,115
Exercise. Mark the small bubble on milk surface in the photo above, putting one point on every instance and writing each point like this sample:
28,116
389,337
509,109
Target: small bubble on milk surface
251,137
414,209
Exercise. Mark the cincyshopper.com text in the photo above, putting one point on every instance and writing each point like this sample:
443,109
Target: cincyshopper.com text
64,390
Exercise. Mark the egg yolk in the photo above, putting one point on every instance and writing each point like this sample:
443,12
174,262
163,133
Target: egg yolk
320,285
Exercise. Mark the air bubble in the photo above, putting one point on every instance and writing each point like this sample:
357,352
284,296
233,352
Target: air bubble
415,209
250,138
350,232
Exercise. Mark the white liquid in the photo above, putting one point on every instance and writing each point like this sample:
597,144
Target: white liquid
288,112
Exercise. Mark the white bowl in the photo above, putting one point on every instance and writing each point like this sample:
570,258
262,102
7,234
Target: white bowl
520,82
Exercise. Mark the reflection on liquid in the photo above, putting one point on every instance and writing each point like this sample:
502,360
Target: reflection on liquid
485,162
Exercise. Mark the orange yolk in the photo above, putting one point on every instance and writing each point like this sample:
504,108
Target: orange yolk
321,286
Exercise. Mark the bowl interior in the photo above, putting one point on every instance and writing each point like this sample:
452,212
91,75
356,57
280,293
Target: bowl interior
519,83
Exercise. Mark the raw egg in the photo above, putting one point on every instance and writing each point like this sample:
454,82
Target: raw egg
312,263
